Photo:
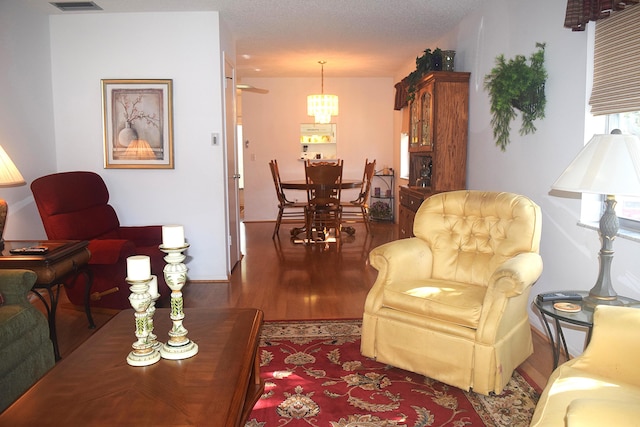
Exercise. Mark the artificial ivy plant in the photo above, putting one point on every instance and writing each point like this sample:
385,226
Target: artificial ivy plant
515,85
427,62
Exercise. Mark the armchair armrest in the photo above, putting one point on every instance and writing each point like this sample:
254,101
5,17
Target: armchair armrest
406,259
149,235
613,352
110,251
398,261
15,285
507,295
516,274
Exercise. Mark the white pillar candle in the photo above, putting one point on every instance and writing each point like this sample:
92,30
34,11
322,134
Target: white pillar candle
172,236
153,286
138,267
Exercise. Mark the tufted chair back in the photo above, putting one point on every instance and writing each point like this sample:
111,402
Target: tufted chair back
471,233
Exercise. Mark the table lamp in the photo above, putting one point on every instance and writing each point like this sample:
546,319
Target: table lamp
607,165
9,177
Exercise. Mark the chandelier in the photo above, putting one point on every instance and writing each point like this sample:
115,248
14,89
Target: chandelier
322,106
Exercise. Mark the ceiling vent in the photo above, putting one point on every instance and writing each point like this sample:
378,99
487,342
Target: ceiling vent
71,6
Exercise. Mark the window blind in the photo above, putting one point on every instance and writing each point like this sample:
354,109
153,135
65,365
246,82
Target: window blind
616,70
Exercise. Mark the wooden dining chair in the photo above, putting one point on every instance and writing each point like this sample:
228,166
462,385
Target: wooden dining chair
288,212
357,211
323,212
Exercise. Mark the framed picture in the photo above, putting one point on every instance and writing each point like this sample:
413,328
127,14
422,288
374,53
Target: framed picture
138,124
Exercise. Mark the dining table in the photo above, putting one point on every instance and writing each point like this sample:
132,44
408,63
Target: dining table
301,184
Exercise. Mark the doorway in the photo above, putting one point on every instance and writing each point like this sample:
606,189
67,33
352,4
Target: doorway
232,175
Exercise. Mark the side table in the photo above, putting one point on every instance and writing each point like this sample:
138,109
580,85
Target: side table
583,318
63,257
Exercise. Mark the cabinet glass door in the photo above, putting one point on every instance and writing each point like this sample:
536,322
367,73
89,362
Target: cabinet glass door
414,124
425,119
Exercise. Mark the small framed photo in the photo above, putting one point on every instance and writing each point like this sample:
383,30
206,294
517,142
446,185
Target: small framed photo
137,124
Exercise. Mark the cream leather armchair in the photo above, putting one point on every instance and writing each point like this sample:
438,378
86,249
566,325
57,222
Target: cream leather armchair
601,387
451,303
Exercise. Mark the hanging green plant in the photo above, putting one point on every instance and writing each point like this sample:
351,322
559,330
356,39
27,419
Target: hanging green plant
515,85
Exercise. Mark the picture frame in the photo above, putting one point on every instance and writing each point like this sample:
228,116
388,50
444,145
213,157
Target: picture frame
137,123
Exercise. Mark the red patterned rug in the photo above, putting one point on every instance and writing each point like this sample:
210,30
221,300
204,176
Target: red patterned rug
315,376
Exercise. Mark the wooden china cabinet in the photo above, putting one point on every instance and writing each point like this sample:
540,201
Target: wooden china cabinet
438,131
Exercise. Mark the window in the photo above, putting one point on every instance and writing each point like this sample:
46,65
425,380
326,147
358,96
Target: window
404,155
627,208
615,96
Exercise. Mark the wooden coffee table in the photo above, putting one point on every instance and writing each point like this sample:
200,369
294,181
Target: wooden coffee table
94,385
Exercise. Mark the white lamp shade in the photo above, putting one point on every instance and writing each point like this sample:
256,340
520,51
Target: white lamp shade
9,174
608,164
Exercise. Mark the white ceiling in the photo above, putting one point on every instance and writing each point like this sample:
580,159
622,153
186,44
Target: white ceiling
287,38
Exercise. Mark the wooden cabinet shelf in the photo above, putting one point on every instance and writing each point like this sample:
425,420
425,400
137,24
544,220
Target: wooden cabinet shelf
438,132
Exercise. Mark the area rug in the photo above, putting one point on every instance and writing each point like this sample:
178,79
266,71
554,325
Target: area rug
315,376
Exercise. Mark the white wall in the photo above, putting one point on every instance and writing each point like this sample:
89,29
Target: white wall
271,124
26,111
184,47
532,163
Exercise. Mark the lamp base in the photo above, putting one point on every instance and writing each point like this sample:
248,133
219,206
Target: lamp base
602,292
593,300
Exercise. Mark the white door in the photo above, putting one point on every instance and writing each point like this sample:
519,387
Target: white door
233,176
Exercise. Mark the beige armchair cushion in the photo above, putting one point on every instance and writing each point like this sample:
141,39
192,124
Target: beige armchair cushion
601,387
451,303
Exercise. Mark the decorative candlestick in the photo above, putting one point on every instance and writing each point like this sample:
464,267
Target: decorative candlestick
175,274
153,291
143,353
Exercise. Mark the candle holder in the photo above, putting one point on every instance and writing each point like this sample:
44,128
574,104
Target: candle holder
143,353
153,338
175,274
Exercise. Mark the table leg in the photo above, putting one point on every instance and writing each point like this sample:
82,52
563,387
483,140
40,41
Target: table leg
588,337
561,339
51,308
87,296
555,347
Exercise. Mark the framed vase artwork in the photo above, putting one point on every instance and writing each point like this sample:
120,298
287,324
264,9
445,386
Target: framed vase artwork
137,124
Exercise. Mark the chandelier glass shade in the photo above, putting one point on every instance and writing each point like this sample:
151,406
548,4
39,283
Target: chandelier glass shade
322,106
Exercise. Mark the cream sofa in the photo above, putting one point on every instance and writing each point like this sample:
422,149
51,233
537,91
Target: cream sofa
601,387
451,303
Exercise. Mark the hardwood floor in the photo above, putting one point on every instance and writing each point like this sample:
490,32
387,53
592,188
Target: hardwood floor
290,282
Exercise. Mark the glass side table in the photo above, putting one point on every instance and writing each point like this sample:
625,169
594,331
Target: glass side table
583,318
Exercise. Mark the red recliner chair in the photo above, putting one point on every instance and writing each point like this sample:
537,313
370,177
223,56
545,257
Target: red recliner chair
74,206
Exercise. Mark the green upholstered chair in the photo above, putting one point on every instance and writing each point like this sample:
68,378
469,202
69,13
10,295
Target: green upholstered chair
26,352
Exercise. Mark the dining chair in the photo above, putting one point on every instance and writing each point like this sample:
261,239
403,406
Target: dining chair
288,212
323,211
357,211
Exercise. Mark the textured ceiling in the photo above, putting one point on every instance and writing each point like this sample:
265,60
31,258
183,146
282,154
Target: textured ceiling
287,38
